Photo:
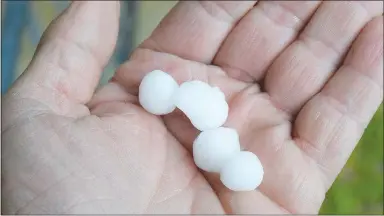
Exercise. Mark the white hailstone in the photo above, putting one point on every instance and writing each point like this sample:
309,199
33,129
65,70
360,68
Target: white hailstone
212,148
243,172
205,106
157,91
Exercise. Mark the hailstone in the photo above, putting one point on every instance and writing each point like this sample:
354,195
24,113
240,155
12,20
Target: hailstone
157,91
212,148
205,106
243,172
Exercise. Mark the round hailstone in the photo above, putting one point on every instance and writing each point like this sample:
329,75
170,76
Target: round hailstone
157,91
243,172
212,148
205,106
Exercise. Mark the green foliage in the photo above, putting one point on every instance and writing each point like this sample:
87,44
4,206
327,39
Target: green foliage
359,187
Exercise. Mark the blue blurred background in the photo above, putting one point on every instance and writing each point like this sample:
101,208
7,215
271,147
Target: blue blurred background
357,190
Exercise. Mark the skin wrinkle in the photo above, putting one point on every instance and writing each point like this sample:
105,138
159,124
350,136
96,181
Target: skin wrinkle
27,186
282,146
163,136
251,77
300,181
63,108
57,82
322,172
363,6
362,75
329,171
178,191
16,97
104,112
229,18
193,203
293,68
44,192
223,206
216,11
321,62
281,207
279,204
306,39
55,133
116,156
155,46
183,157
63,44
318,148
300,19
23,145
40,84
121,97
108,177
269,196
67,211
19,120
343,109
158,182
295,28
303,179
284,111
305,143
245,76
67,67
85,49
227,67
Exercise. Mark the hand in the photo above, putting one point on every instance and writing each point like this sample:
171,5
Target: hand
301,91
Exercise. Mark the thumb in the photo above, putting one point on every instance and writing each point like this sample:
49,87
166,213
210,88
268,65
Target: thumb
70,57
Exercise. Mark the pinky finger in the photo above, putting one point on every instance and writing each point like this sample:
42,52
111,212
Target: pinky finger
332,122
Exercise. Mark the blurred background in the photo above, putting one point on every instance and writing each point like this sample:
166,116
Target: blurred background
357,190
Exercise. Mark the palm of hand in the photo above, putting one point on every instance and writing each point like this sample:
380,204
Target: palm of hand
112,156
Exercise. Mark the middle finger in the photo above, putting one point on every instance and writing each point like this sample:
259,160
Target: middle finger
260,36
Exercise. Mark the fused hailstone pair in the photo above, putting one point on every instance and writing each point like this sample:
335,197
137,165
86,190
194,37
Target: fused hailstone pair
205,106
217,148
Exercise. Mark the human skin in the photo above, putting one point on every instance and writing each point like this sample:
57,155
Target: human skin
302,79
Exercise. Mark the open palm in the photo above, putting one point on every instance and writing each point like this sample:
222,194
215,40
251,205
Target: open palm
302,79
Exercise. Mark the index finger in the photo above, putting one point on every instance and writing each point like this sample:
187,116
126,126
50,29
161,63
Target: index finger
194,30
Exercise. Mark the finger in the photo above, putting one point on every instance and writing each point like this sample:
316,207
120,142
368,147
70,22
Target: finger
71,56
261,35
303,69
194,30
330,124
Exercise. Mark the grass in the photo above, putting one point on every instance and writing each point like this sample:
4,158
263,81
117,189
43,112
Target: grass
359,187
